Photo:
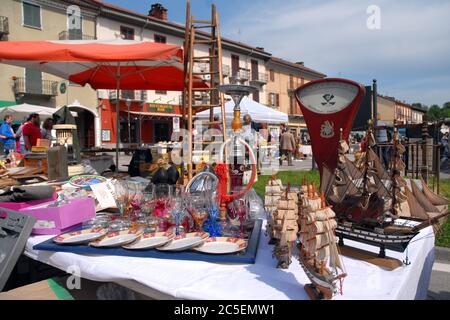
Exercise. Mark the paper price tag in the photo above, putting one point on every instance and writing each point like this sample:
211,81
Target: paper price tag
104,193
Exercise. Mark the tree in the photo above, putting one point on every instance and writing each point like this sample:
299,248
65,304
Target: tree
434,113
446,105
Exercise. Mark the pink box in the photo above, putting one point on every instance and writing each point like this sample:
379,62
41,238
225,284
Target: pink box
20,205
56,220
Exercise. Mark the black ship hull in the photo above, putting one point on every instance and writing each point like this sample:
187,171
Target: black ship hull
394,242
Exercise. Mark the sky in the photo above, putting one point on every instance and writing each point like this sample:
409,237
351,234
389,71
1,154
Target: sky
404,44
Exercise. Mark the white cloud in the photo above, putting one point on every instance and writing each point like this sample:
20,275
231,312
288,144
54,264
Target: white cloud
331,36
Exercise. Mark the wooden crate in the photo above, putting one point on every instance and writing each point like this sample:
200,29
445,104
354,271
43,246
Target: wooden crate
36,162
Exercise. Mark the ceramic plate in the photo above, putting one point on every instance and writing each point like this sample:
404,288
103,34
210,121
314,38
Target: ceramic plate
186,241
117,239
86,180
81,236
150,241
222,245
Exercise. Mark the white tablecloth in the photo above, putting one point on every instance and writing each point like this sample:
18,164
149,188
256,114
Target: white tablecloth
202,280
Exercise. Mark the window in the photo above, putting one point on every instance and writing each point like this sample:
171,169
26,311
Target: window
31,15
272,75
234,65
274,100
160,92
160,39
256,96
127,33
291,81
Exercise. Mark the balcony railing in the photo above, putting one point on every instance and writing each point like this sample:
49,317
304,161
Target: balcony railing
260,78
74,35
133,95
241,76
4,26
42,88
226,70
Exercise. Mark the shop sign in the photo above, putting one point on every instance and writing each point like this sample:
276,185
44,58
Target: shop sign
158,107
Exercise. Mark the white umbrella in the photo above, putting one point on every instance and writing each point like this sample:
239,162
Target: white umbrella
259,112
21,111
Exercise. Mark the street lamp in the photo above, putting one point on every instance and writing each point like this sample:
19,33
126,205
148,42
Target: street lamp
128,104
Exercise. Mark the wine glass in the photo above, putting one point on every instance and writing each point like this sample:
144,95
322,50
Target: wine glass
177,207
121,196
199,210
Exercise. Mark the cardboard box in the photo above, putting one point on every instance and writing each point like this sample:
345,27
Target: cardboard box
57,220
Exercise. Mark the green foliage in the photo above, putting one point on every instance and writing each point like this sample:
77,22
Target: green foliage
443,237
435,112
293,177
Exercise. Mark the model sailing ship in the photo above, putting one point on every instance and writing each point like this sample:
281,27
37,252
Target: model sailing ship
318,252
368,200
283,227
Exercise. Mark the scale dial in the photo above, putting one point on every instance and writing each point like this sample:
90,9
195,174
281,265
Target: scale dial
327,97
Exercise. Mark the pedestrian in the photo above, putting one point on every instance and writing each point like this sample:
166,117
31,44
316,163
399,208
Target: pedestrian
19,137
46,131
287,145
31,131
7,135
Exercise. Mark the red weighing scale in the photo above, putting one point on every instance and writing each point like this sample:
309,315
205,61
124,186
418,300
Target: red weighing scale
329,105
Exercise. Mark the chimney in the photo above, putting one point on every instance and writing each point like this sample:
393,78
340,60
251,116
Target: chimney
158,11
300,63
260,48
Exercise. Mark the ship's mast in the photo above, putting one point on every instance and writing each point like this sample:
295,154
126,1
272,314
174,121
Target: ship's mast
394,171
365,193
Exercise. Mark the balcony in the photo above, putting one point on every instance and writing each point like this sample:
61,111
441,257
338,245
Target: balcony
4,26
132,95
226,71
74,35
38,88
240,76
259,79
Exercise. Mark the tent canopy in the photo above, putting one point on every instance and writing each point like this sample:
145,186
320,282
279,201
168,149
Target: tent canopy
22,111
259,112
143,65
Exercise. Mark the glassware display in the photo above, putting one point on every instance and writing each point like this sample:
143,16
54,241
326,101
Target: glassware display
198,209
121,197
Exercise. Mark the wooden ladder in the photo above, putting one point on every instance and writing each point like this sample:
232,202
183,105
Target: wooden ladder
195,100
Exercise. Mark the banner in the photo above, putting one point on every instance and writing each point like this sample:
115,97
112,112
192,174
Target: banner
327,106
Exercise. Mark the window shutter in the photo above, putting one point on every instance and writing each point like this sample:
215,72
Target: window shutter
277,103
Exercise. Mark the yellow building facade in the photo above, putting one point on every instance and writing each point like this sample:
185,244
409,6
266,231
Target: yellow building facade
36,20
283,78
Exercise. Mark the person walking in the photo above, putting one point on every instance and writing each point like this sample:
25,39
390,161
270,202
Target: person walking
287,145
31,131
7,135
46,131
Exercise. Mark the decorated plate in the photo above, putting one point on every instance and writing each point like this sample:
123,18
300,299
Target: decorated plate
86,180
150,241
80,236
222,245
185,241
118,238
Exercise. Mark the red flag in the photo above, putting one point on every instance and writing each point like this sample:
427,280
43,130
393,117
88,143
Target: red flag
327,106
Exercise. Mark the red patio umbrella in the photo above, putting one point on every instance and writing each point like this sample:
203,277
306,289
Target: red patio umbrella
114,64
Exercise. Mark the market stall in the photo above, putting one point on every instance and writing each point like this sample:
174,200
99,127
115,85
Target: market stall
259,112
116,64
159,279
22,111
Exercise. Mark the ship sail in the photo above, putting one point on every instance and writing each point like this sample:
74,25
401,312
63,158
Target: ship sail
319,252
433,197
